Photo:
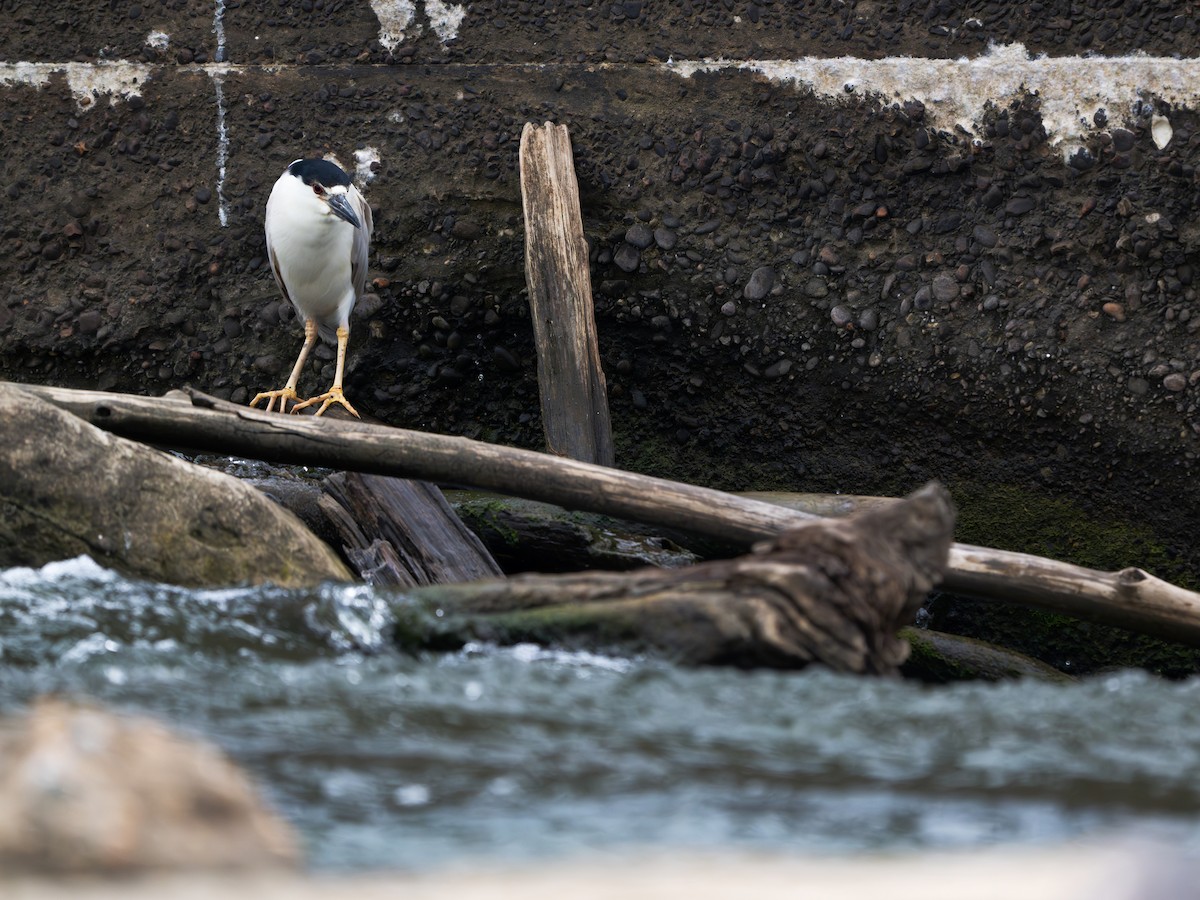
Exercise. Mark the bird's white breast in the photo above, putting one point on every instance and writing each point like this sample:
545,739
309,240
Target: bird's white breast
312,252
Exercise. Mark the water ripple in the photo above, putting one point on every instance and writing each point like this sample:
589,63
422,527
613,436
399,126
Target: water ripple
385,759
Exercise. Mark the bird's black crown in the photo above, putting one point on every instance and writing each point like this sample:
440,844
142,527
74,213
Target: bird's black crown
319,171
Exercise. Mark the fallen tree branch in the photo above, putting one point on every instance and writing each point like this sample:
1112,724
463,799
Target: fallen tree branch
830,591
1131,598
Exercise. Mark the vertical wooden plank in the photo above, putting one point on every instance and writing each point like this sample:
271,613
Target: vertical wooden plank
574,398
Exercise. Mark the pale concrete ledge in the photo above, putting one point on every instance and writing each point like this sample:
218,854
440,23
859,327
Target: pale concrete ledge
1073,872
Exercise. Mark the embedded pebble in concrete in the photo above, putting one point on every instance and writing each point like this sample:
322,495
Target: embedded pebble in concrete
627,257
761,281
945,288
1175,382
841,316
1114,311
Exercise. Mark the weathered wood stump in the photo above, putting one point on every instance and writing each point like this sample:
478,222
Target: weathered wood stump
402,532
828,592
570,378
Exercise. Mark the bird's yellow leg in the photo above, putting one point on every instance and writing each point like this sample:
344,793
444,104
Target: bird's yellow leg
288,391
334,394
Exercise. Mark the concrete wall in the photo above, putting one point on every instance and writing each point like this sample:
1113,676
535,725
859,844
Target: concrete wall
816,261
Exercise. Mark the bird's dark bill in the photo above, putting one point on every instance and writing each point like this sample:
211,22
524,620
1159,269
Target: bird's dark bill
339,204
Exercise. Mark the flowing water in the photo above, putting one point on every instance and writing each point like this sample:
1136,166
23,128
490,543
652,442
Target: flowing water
385,760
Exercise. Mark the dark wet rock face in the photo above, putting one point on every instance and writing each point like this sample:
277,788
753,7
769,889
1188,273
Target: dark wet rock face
789,293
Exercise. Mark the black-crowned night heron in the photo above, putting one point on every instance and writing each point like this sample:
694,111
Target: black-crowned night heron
318,234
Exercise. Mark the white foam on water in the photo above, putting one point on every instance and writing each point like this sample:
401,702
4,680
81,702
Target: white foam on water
572,659
79,568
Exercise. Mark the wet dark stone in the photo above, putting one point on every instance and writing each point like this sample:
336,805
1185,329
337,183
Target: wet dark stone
505,359
778,369
90,321
988,270
947,223
1082,160
627,257
665,238
639,236
466,230
816,288
1123,140
368,305
267,365
841,316
449,375
984,236
1018,206
761,281
945,288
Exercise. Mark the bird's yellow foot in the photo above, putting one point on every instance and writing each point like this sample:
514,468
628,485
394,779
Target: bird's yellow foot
283,395
333,395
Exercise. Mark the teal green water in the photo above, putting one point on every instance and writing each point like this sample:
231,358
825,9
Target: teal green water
383,760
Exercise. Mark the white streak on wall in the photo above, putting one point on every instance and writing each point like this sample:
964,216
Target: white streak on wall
364,164
87,81
957,91
445,18
219,29
28,74
395,17
222,148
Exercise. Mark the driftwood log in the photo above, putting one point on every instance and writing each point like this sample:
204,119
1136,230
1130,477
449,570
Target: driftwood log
570,378
831,591
527,536
401,532
1131,598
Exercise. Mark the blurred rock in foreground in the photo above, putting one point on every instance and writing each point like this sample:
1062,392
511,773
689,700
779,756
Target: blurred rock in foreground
87,791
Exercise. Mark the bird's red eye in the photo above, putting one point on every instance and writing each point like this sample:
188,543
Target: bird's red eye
318,190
